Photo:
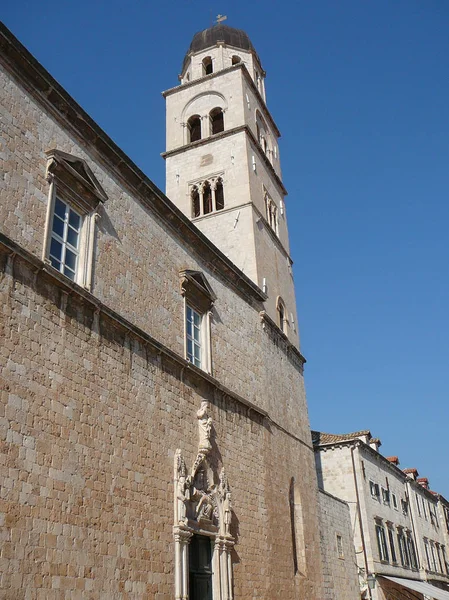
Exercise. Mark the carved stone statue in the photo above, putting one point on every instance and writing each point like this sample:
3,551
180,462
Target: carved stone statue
205,428
182,488
227,512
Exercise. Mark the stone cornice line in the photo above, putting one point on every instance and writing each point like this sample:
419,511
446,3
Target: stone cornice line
224,134
47,91
249,79
13,249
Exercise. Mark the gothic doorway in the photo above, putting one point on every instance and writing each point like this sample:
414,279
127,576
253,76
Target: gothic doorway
200,568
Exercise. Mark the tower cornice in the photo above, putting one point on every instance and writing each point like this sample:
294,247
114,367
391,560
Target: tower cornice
247,76
224,134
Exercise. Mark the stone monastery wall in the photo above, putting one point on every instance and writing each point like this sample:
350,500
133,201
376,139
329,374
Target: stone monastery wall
96,396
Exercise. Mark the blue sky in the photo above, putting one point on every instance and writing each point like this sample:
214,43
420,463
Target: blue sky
360,92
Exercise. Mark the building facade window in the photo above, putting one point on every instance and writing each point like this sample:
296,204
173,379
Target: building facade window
236,60
445,561
403,552
216,118
340,552
395,501
194,336
411,551
207,196
74,198
440,562
271,213
426,548
374,489
65,239
282,315
392,547
207,66
381,542
198,303
385,496
194,128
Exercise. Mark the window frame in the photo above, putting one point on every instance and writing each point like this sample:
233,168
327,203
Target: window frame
199,298
394,558
374,489
73,184
382,542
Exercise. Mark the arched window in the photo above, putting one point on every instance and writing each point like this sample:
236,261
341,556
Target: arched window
258,132
194,127
195,195
282,315
207,66
219,195
207,198
262,132
272,213
236,59
216,120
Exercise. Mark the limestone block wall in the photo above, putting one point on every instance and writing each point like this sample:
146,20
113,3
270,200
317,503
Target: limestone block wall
340,576
137,260
91,417
96,395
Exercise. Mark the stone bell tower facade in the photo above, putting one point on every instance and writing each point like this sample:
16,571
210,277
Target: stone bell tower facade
222,164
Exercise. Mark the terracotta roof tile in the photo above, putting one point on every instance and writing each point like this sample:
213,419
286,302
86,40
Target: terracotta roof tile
318,437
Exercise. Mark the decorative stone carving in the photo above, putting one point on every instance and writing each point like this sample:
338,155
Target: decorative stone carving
202,504
197,496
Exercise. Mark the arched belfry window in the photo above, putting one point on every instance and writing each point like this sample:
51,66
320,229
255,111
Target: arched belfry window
207,66
282,315
216,120
271,213
195,196
219,194
236,59
262,132
207,196
194,127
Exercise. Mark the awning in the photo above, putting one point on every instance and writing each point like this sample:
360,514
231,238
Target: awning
421,586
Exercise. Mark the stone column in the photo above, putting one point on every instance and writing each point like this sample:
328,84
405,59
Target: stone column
182,539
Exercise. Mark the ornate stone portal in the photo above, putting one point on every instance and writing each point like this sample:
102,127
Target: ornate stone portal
202,505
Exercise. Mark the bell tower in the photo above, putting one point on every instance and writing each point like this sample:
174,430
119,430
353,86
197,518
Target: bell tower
223,167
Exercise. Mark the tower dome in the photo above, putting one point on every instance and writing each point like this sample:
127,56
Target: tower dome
220,33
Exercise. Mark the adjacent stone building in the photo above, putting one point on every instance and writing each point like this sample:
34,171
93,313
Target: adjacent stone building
153,423
399,532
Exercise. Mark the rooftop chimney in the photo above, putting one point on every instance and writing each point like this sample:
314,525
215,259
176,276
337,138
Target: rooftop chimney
393,459
424,482
412,473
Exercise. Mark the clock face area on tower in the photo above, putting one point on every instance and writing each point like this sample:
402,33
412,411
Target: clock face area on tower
223,166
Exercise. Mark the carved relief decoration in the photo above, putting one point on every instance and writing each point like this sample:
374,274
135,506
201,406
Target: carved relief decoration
202,504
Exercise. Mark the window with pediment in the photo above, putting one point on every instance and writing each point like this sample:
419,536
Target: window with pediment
73,201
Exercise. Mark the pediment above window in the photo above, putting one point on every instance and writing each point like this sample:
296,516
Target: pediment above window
74,176
196,288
